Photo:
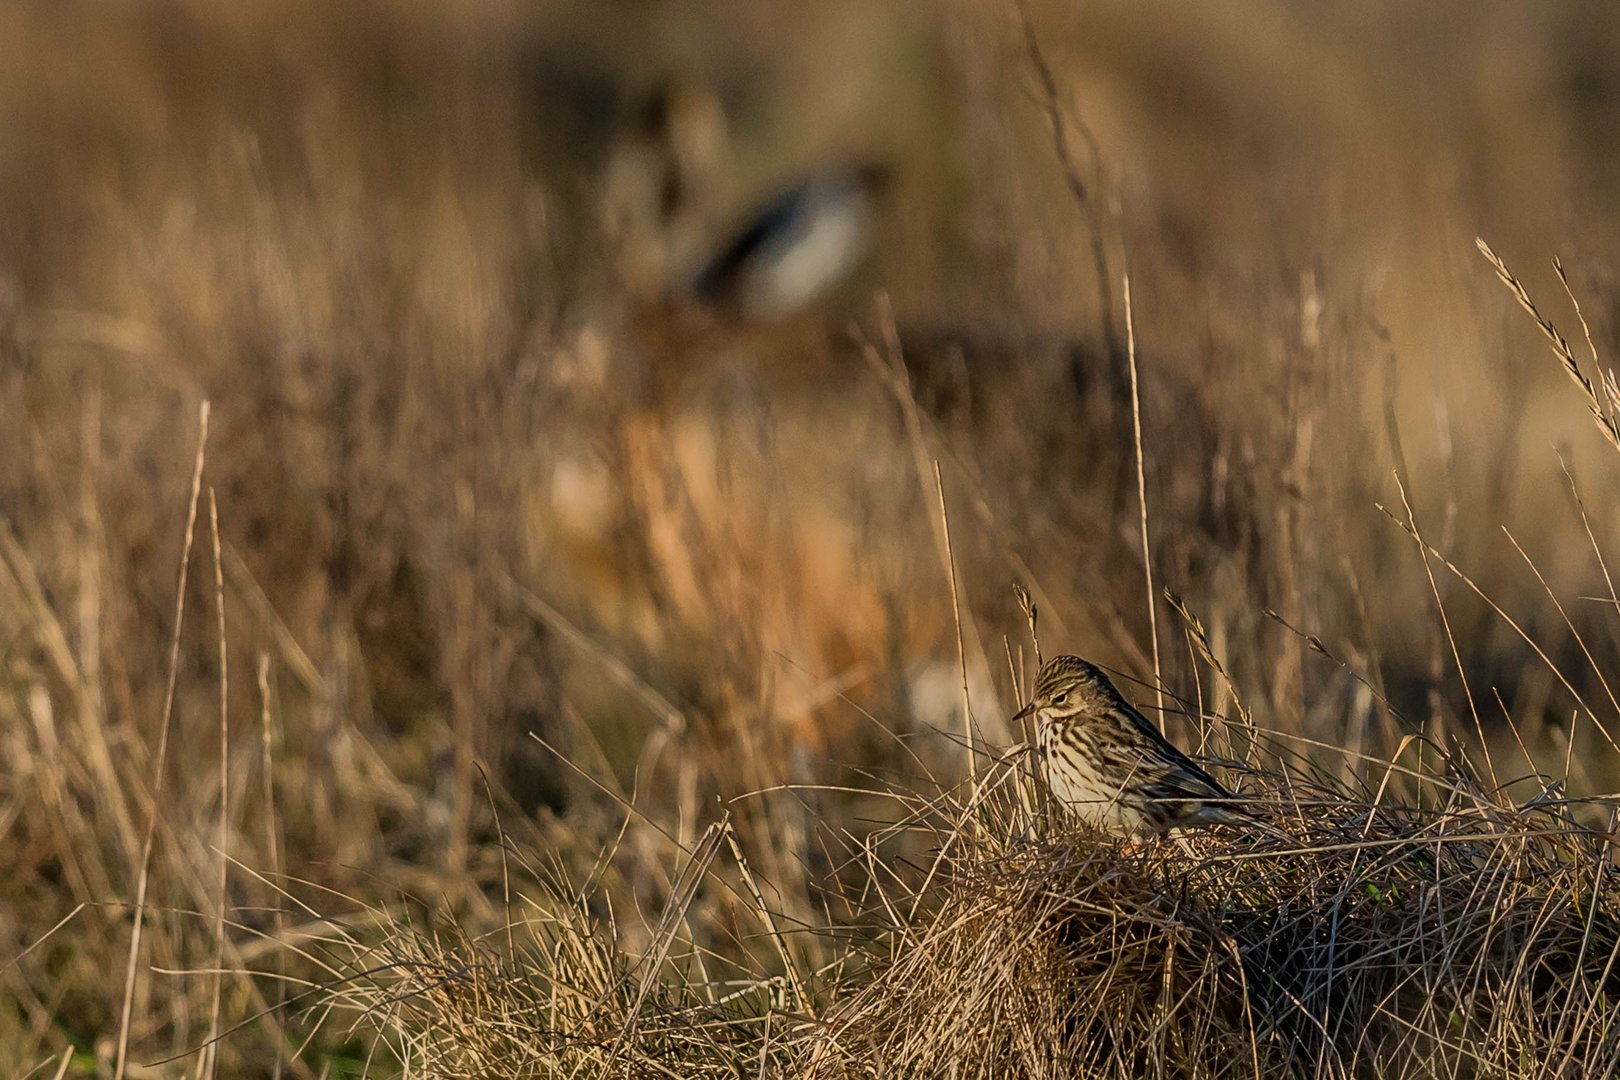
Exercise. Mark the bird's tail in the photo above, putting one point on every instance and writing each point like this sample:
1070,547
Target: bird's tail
1243,813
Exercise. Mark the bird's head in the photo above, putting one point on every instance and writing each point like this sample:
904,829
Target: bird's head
1069,686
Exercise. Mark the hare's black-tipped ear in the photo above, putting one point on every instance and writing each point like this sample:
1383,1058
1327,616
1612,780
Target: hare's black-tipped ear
796,247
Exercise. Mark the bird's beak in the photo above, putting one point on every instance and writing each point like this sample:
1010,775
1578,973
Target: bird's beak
1021,713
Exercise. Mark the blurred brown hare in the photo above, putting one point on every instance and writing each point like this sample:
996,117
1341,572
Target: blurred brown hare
734,437
696,385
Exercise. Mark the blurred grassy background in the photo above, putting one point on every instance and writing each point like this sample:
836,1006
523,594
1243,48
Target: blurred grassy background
474,480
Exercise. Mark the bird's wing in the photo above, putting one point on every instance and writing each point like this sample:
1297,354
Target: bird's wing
1181,775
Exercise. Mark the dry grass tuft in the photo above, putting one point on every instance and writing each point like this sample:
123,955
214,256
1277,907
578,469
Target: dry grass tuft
1469,938
1436,930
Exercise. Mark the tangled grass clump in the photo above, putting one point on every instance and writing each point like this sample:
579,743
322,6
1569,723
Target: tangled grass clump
1438,930
1449,934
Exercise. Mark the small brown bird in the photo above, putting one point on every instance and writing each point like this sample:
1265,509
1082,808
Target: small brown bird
1106,764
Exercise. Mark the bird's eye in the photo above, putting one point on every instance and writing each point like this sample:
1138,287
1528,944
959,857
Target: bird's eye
1061,698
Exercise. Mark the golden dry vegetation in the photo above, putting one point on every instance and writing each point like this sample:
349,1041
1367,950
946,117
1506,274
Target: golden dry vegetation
430,647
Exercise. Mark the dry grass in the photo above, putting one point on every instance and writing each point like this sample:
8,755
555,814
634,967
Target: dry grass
267,690
1465,938
1428,927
